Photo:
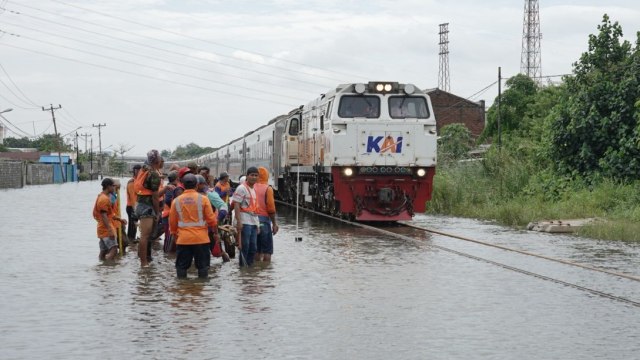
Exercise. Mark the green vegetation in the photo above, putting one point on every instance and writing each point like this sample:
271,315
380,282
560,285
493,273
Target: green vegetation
568,151
189,151
46,142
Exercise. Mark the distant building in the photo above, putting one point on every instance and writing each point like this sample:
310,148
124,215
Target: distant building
12,154
452,109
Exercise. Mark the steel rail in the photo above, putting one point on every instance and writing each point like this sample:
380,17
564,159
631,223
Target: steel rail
561,261
505,266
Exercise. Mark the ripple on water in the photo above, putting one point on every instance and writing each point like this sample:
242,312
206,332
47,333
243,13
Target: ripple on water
342,292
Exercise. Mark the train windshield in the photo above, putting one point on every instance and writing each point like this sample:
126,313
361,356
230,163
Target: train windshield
359,106
401,107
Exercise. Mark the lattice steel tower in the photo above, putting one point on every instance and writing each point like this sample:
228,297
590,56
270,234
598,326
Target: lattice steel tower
530,61
443,69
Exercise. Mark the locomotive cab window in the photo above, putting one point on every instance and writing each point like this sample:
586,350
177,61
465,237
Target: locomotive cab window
293,127
359,106
401,107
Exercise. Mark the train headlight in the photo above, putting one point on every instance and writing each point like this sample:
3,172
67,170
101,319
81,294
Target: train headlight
348,171
359,88
380,87
387,87
421,172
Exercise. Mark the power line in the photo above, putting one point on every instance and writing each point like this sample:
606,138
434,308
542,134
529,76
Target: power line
172,43
150,77
212,42
17,128
102,46
17,87
153,67
11,102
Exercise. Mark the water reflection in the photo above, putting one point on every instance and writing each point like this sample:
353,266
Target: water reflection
342,292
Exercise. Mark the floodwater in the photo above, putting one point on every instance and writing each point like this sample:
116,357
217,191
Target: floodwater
340,293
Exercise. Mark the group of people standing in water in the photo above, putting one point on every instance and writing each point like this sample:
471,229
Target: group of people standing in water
188,209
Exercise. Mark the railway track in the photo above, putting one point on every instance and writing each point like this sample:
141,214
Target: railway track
502,265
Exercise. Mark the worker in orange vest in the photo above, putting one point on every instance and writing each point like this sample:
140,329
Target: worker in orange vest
104,213
190,215
266,215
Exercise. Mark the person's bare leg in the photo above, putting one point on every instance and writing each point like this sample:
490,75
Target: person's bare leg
146,226
112,253
266,258
102,254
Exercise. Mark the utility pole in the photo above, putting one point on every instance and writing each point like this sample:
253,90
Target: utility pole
55,129
85,136
91,159
99,126
499,98
77,157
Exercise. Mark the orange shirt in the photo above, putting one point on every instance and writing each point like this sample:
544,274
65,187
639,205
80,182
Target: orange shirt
189,219
103,204
132,198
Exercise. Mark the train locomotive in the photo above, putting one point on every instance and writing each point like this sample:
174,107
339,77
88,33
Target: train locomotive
362,151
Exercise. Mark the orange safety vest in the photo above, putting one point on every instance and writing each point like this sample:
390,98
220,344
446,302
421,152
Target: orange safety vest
253,207
261,195
189,218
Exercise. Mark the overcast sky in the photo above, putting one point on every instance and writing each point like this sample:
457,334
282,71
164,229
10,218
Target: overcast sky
163,73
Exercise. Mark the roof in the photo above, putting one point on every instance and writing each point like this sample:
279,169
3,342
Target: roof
459,98
54,159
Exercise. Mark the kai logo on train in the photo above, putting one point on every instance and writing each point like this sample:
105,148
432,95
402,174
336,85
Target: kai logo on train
389,144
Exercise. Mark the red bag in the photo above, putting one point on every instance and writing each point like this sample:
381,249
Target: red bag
216,251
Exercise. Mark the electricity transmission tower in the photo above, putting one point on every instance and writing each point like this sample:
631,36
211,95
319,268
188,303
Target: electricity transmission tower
443,69
530,60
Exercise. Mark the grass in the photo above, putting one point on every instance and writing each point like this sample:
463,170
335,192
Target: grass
511,194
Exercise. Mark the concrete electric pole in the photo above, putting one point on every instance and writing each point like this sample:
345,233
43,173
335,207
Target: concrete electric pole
99,126
55,129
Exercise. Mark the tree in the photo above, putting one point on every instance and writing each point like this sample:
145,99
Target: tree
23,142
513,105
597,129
190,150
454,142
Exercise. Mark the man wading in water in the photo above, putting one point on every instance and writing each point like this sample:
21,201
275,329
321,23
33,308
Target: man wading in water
105,215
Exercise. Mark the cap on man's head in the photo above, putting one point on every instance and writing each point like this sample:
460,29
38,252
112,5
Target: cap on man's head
223,175
172,176
189,181
201,179
192,165
183,171
252,170
107,182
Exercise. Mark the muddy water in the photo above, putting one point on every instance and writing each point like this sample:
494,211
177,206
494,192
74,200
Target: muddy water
341,293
